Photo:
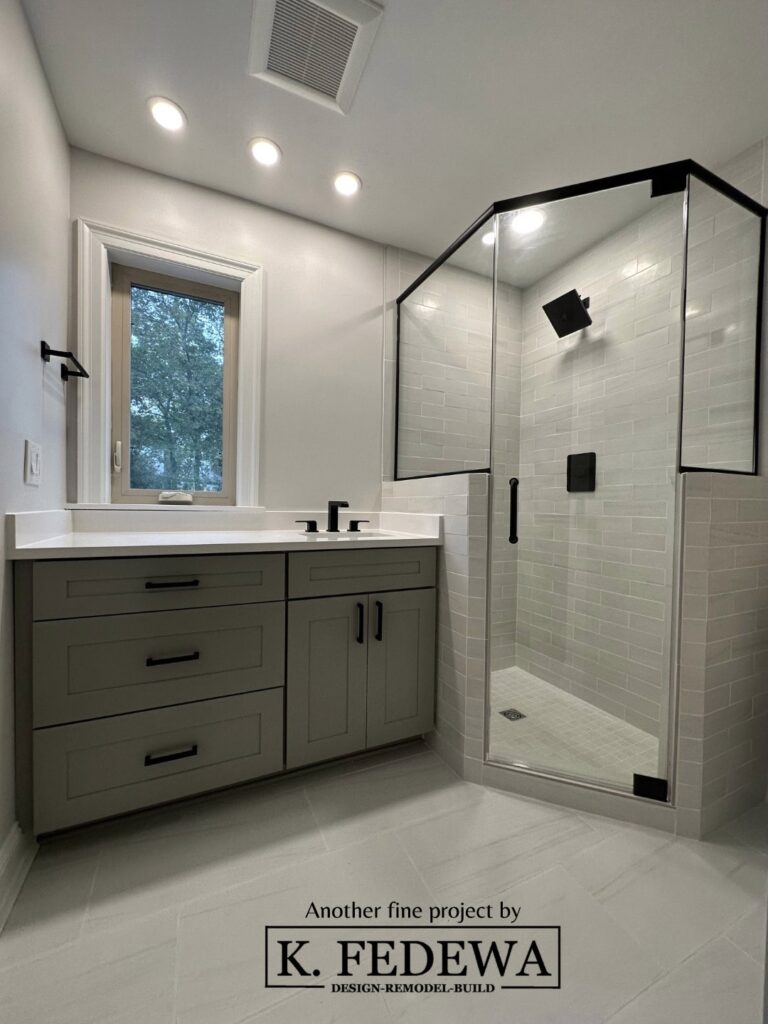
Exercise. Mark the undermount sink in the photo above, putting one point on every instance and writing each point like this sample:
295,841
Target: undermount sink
346,535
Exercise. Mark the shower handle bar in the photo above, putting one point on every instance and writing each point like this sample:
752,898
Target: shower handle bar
513,485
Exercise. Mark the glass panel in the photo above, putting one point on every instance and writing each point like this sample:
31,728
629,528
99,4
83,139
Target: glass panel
444,393
176,390
720,332
585,432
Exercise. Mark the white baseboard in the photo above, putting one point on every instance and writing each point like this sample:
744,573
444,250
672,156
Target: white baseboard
16,855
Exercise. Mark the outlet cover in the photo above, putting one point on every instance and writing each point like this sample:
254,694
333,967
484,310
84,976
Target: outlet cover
32,464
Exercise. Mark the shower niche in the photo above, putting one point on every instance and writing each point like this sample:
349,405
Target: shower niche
589,348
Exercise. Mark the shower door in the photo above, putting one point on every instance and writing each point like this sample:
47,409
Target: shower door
585,418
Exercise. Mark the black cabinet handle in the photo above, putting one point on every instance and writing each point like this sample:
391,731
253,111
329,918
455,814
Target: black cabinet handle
194,656
379,634
167,585
171,755
360,623
513,485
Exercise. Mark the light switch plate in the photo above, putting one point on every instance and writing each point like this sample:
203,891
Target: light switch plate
32,463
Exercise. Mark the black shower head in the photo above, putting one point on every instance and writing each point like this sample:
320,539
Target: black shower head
568,313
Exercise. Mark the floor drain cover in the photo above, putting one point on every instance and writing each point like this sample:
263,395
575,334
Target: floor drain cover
512,714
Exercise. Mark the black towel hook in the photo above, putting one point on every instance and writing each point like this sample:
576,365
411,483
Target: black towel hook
46,352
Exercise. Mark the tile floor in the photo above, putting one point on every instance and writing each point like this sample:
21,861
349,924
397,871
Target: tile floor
159,918
563,733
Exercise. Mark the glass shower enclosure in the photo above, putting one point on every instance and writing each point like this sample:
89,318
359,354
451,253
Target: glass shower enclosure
585,346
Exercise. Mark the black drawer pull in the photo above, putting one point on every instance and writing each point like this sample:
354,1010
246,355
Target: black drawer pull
194,656
379,634
513,485
360,623
171,755
170,584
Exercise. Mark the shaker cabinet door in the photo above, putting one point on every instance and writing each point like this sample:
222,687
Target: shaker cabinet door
326,679
401,665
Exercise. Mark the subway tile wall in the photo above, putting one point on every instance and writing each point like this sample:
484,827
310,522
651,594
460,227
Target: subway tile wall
463,501
594,592
720,326
506,461
445,372
723,718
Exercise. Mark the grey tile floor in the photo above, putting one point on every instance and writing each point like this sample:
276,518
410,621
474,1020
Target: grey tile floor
563,733
159,918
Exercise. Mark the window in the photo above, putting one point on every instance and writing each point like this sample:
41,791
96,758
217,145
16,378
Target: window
174,363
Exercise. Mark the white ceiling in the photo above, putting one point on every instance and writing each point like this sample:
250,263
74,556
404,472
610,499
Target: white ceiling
461,102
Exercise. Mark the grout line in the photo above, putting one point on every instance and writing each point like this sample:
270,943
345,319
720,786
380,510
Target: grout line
318,826
91,889
176,951
433,895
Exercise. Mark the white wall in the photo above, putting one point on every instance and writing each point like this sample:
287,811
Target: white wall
323,324
34,256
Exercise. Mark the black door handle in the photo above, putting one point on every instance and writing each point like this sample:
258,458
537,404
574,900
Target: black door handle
149,585
379,634
195,656
172,755
360,623
513,485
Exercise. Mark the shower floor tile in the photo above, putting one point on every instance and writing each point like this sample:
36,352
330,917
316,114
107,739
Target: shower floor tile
563,733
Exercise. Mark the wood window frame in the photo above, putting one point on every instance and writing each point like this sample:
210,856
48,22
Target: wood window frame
122,278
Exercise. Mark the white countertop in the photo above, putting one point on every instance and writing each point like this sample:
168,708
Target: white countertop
87,533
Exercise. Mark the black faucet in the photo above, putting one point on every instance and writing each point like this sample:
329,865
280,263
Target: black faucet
333,515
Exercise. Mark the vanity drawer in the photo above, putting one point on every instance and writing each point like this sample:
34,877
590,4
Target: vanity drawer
93,770
89,668
110,586
322,573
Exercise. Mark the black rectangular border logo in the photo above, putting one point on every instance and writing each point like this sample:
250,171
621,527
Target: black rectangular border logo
422,928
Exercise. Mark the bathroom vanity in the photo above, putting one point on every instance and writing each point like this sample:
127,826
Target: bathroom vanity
140,680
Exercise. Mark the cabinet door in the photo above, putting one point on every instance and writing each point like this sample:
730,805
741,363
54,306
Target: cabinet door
401,665
326,678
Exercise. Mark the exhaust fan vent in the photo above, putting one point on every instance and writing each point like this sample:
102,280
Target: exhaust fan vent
317,50
310,45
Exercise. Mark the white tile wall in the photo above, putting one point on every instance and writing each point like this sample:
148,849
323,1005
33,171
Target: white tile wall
723,753
506,461
721,319
463,500
594,570
445,371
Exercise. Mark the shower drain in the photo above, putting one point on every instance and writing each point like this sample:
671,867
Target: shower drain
512,714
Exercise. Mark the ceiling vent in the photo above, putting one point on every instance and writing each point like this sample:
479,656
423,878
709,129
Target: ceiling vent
315,49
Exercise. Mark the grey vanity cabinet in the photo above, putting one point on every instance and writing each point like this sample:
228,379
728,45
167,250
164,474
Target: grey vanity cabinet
360,673
145,680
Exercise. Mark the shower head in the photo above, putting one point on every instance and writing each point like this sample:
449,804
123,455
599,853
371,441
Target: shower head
568,313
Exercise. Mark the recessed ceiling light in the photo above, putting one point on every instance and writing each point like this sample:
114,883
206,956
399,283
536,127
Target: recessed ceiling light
347,183
489,238
265,152
167,114
526,221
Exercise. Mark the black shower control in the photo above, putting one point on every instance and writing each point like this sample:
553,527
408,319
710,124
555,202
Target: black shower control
311,525
581,471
